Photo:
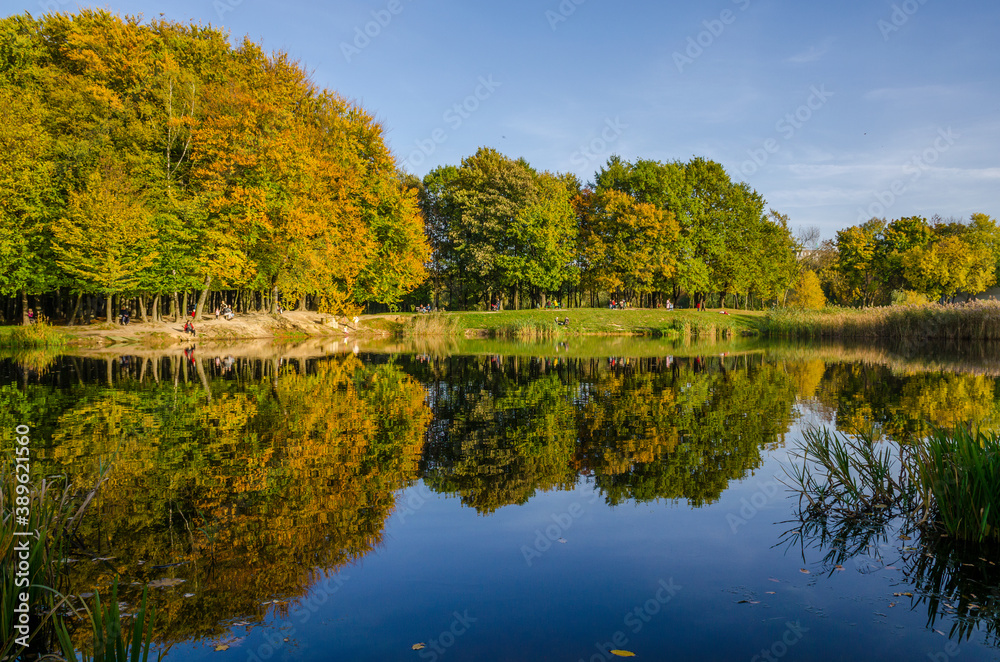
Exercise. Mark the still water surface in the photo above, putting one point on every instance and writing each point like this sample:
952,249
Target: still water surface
498,502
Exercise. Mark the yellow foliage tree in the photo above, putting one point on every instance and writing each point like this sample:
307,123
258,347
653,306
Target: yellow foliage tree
807,293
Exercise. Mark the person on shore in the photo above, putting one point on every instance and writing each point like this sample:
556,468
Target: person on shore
31,315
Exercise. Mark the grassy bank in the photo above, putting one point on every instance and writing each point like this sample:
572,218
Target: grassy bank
975,320
541,324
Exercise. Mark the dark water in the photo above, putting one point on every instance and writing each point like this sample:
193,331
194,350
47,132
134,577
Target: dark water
529,503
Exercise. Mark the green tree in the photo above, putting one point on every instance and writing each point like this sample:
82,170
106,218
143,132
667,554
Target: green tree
858,261
949,266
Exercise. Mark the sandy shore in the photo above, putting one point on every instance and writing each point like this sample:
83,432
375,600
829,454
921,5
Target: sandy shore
217,331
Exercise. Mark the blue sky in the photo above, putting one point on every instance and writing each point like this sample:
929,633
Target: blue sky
834,112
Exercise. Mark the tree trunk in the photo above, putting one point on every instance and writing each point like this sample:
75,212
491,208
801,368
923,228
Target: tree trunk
142,309
184,306
76,309
24,308
201,299
204,378
174,307
274,295
109,299
156,308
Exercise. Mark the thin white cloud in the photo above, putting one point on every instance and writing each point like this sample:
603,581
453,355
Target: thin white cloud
914,93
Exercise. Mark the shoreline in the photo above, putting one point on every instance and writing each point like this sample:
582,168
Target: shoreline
972,321
519,324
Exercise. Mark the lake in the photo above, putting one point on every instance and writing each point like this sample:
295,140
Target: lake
498,501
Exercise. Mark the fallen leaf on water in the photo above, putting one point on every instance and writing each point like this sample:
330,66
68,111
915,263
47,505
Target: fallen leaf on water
892,604
417,647
908,594
162,583
941,633
562,540
839,567
222,647
770,592
755,602
622,653
905,538
772,579
804,571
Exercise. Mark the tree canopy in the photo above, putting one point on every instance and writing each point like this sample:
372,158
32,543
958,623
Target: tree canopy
146,158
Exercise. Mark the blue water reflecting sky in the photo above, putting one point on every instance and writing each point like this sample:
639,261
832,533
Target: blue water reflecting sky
567,577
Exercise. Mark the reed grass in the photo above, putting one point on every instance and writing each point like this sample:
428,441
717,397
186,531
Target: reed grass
959,473
49,512
950,479
854,475
54,512
37,335
527,330
112,641
432,324
974,320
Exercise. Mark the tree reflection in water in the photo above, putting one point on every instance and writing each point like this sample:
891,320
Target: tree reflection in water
251,478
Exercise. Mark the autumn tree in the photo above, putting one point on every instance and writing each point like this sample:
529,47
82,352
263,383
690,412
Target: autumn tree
248,173
103,242
808,293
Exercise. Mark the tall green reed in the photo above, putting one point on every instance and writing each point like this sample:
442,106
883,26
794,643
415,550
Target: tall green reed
950,478
55,510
